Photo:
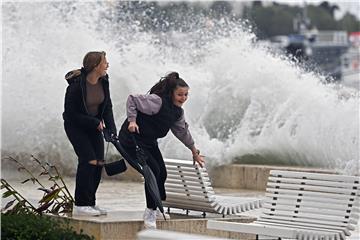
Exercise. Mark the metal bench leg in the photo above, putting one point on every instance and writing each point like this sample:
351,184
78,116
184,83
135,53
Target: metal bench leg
168,210
187,212
204,214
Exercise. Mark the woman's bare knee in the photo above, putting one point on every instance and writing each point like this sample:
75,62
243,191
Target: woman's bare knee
93,162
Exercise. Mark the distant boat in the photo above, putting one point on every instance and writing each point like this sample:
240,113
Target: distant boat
322,50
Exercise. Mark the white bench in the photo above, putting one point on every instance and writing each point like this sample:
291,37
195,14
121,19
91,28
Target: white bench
152,234
188,187
302,205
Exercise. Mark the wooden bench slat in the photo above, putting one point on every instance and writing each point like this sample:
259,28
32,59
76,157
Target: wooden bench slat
190,201
309,193
187,191
189,178
298,224
303,220
312,199
308,215
195,187
293,205
318,176
192,197
311,188
182,188
314,182
184,206
186,170
189,183
190,174
291,209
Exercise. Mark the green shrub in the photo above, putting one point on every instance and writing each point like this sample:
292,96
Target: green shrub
37,227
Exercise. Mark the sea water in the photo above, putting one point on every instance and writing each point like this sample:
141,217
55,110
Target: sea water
246,102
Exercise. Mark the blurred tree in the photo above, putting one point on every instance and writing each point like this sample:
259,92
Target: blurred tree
278,19
321,18
349,23
329,8
272,20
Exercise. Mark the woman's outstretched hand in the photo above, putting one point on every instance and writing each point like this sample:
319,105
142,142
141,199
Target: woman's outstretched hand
133,127
198,158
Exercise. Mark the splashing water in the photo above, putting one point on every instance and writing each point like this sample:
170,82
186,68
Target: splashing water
244,100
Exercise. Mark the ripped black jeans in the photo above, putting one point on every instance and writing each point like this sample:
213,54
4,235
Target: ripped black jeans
88,145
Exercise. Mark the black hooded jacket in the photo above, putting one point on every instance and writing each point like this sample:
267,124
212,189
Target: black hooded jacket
76,113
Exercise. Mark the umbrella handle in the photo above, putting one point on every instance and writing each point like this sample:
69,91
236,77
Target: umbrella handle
134,140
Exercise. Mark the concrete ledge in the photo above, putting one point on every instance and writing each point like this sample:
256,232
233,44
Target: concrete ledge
238,176
123,225
253,177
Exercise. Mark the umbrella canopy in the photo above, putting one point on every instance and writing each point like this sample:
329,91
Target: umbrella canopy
141,166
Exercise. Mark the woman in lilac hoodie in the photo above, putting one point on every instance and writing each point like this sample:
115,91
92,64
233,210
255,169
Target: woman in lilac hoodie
151,116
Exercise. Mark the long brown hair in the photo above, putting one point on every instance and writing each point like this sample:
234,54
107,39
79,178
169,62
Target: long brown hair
92,59
166,85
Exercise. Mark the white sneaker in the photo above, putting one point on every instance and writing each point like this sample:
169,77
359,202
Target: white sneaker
159,215
85,211
100,209
149,219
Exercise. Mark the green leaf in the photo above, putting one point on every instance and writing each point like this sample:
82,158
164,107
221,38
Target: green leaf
56,208
48,197
25,181
45,190
44,173
44,207
54,178
8,193
9,204
19,207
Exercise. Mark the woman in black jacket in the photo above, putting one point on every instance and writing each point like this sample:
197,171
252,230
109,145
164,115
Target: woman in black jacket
88,109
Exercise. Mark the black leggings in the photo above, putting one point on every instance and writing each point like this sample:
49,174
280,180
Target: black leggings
88,145
156,163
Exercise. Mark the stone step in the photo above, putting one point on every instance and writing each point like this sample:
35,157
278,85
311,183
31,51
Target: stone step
124,225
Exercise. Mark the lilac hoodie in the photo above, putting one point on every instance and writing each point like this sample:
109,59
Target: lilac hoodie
150,104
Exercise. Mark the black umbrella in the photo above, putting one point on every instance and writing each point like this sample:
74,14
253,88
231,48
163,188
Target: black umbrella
141,166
